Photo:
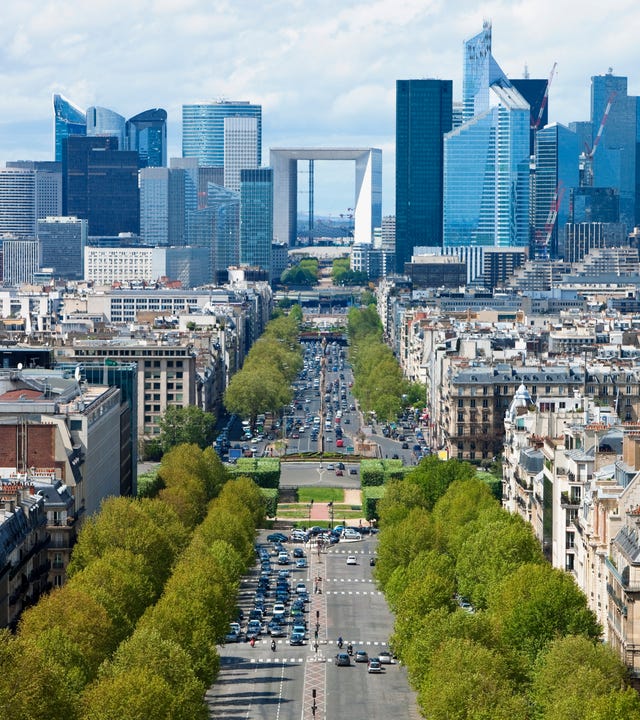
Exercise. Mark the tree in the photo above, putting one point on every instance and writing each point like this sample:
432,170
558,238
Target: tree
536,604
594,671
467,681
367,298
435,476
492,553
189,424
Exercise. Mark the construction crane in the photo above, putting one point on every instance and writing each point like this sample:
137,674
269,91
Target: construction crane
586,158
544,237
536,123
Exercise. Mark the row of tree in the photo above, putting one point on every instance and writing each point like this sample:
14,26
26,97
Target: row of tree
133,632
378,384
264,384
529,649
342,274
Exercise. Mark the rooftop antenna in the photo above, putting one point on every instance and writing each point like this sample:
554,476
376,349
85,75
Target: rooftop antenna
526,75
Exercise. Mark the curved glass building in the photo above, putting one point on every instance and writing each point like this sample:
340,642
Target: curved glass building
102,121
147,133
69,119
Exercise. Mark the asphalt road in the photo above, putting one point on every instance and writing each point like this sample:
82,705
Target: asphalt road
256,683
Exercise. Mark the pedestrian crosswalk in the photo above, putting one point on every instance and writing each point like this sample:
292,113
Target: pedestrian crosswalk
353,592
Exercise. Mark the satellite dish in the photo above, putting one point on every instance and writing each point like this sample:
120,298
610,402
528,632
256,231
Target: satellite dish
76,373
19,366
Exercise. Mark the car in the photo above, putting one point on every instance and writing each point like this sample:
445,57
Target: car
385,657
254,629
343,660
276,537
276,629
301,588
331,466
284,573
353,471
374,666
350,534
299,627
339,473
372,561
296,638
340,466
361,656
232,637
395,456
352,560
405,445
279,610
301,563
347,421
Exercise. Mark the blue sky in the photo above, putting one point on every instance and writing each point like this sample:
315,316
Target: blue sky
323,71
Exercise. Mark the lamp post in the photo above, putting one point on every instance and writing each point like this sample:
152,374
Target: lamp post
330,505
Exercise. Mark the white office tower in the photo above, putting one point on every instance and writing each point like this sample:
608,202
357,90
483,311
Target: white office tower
240,149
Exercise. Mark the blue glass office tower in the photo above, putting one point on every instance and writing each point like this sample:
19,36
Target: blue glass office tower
256,217
147,133
102,121
557,150
486,176
423,116
68,120
480,71
614,161
203,129
162,206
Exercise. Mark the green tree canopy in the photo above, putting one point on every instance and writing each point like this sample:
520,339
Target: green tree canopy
189,424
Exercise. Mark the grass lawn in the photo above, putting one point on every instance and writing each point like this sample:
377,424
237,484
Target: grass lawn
319,494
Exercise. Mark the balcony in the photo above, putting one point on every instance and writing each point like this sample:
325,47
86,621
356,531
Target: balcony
569,501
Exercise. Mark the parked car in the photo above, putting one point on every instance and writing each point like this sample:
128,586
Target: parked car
276,537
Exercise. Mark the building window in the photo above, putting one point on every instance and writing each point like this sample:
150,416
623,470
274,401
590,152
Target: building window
460,402
570,540
472,403
57,580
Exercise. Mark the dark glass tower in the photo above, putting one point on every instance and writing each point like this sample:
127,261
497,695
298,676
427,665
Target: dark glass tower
68,120
100,184
423,114
533,90
256,217
147,133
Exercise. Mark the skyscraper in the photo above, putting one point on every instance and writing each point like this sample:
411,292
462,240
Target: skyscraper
102,121
240,148
162,197
100,184
18,202
533,91
614,162
147,134
423,115
20,260
556,173
48,185
480,71
68,120
256,217
203,129
486,175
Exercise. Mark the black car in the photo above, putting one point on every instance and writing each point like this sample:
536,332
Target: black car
343,660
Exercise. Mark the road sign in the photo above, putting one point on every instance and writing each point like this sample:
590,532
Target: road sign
350,449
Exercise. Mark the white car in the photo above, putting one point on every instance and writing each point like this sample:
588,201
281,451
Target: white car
351,560
351,535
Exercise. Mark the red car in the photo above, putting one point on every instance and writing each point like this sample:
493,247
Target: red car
340,443
339,472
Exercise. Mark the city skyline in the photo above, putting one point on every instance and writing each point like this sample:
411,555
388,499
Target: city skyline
324,74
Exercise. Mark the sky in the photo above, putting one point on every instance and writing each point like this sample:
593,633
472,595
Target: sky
324,71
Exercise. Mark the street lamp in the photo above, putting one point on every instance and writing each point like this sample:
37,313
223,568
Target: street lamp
330,506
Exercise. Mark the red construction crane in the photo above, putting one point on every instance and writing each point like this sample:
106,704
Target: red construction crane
536,124
544,237
587,157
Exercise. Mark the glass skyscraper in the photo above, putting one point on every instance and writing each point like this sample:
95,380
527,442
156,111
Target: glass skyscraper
240,148
147,133
62,243
486,176
480,71
614,161
102,121
556,162
423,115
162,213
256,217
203,129
68,120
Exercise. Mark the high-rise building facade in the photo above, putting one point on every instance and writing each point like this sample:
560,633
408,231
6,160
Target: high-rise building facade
162,200
556,172
20,260
147,134
100,184
479,72
102,121
48,184
614,161
486,176
68,119
256,217
534,91
18,202
423,116
240,148
203,129
62,243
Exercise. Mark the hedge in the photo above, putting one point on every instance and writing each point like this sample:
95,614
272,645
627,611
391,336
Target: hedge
271,501
370,497
265,472
378,472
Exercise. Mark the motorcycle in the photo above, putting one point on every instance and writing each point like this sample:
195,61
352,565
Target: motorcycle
340,643
273,645
350,649
252,642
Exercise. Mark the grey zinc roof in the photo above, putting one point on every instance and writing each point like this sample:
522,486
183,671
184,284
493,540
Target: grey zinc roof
627,541
531,460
